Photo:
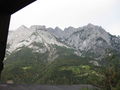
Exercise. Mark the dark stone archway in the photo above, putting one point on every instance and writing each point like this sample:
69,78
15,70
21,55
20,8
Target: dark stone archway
7,8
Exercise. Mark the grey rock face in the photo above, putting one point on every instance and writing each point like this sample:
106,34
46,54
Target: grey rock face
88,40
35,38
57,32
38,27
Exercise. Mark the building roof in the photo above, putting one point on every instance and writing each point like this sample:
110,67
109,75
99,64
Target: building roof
11,6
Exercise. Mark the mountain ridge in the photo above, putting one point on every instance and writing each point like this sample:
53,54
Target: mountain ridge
91,38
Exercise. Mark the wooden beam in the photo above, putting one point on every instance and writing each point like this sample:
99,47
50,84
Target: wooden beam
4,25
12,6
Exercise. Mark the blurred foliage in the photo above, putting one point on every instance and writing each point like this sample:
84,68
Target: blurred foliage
25,66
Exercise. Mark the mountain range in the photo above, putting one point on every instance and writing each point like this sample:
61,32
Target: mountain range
89,40
42,52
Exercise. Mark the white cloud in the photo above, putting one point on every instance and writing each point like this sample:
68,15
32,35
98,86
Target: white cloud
115,29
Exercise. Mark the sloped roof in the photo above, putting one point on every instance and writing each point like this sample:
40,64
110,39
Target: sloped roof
11,6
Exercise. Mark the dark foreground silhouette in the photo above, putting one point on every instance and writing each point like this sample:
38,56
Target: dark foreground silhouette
44,87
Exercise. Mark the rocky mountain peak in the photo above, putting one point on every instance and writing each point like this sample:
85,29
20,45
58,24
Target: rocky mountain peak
69,28
38,27
90,25
58,29
22,27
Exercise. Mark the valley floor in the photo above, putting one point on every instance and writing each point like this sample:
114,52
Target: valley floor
45,87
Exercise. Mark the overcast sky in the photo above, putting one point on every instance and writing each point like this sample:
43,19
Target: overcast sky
64,13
